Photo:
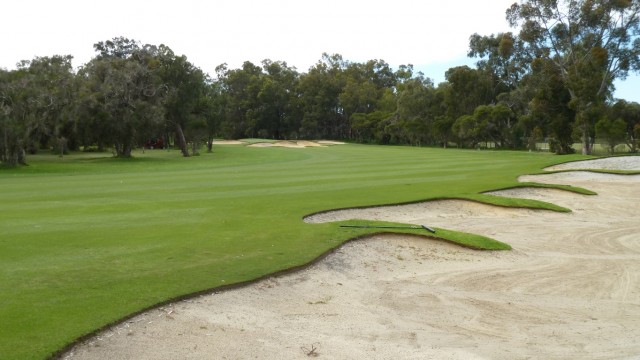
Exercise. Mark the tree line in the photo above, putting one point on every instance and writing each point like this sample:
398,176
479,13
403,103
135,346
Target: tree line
552,81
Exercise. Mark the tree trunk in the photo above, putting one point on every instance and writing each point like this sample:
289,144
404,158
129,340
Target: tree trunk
126,151
586,143
182,142
194,148
22,156
123,150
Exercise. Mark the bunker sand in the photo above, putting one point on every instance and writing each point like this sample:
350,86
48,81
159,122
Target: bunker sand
570,289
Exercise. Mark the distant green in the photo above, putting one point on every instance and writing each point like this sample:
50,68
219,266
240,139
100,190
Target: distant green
87,239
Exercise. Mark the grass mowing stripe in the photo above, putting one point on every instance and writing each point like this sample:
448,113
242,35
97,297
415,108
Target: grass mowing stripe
88,239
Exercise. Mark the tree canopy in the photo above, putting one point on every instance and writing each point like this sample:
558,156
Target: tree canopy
550,81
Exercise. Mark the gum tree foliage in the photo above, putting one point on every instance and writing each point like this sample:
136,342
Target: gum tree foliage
281,111
550,81
629,113
500,56
35,107
611,132
242,87
320,89
368,100
469,89
16,121
590,43
213,105
185,86
549,106
123,93
418,108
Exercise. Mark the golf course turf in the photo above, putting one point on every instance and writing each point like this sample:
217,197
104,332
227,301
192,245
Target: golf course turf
88,239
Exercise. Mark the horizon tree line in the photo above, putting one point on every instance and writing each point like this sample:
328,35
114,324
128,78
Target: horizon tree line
552,81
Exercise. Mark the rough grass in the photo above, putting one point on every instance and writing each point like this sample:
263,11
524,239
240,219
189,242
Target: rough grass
88,239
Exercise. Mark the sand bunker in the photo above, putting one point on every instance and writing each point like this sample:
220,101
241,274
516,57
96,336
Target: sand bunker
228,142
299,144
612,163
570,289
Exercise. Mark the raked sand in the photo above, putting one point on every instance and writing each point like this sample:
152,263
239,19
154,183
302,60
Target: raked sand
570,289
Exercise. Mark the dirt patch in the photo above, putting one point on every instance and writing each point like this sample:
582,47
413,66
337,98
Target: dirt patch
570,289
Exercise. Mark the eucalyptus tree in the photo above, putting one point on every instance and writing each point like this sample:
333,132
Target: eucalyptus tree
280,111
320,89
500,56
629,113
611,132
52,79
418,107
14,116
242,87
366,84
35,107
469,89
550,110
123,92
495,124
185,86
590,42
213,105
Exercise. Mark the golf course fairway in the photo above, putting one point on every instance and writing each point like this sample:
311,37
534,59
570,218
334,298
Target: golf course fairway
88,240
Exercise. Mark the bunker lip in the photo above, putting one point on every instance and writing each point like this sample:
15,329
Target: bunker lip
574,275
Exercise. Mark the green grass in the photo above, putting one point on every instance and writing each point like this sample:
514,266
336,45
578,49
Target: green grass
468,240
88,239
574,189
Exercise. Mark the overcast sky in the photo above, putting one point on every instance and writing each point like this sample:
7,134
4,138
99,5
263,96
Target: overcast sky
431,35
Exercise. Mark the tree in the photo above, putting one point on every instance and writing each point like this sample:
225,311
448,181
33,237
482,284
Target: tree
213,106
466,129
280,113
501,57
124,89
469,89
123,92
495,123
629,112
185,86
242,87
418,108
35,103
549,106
14,116
590,43
320,89
611,132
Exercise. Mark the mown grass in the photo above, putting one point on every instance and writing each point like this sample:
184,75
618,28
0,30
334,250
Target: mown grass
468,240
574,189
88,239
